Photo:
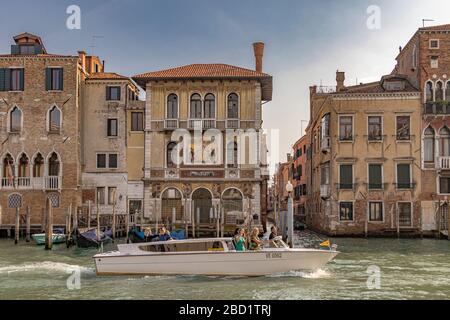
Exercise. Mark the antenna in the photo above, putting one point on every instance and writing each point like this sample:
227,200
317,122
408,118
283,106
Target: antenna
94,38
426,20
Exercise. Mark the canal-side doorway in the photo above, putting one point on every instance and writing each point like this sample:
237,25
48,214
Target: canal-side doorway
202,204
443,217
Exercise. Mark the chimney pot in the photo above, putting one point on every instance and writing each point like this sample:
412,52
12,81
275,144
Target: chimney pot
258,48
340,79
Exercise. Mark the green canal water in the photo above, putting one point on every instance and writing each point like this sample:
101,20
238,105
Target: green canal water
410,269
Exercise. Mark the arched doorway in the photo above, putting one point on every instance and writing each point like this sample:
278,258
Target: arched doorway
171,203
202,204
443,219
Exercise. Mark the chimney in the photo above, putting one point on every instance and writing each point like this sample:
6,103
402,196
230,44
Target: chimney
103,65
82,56
258,47
340,78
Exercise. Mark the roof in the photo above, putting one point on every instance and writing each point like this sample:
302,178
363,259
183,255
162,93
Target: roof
377,87
442,27
107,76
36,56
208,72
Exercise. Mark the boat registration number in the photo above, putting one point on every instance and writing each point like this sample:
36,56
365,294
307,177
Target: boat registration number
274,255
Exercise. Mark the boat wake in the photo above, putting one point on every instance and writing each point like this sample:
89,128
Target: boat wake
318,274
46,267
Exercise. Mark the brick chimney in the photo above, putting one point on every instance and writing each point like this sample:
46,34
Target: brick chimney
258,47
82,56
340,79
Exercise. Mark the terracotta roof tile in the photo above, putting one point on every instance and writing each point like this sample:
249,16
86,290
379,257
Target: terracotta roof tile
377,87
107,76
443,27
36,56
202,71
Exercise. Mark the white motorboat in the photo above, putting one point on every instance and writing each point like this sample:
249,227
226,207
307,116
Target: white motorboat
212,257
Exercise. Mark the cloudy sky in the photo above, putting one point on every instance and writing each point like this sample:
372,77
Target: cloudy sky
306,41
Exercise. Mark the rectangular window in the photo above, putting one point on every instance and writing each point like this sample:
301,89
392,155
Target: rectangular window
346,176
444,185
26,50
403,128
375,211
404,214
375,177
112,191
101,161
54,79
404,176
325,174
346,128
101,195
375,129
434,62
112,161
17,79
346,211
434,44
137,121
113,93
112,128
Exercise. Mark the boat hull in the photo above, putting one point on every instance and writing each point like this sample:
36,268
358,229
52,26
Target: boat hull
56,238
248,263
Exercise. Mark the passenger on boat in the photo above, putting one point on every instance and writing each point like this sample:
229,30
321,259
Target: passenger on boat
163,235
148,235
239,239
255,243
273,233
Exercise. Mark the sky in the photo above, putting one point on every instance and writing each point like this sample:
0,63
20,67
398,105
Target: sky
306,41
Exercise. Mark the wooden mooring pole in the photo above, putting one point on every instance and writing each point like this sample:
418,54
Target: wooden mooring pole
114,218
17,226
98,222
28,219
89,215
49,226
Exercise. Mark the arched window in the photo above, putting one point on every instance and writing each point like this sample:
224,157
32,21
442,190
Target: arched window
233,106
8,170
38,166
232,155
54,120
172,106
196,106
210,107
428,145
429,91
447,91
232,202
171,205
171,162
439,94
15,124
445,142
24,165
53,165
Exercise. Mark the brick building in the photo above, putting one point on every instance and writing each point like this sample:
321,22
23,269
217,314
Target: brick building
299,180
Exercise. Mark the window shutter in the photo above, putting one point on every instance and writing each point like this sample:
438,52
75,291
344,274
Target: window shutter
2,79
38,49
22,79
7,79
48,79
15,49
119,89
108,94
61,79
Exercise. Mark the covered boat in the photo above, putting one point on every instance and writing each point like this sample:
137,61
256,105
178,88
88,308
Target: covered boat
215,256
89,239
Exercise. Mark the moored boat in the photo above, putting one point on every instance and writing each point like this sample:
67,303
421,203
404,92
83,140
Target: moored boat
215,256
89,239
58,237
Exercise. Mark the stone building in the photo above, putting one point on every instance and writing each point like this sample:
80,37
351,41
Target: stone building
284,173
106,99
202,152
426,61
40,130
365,158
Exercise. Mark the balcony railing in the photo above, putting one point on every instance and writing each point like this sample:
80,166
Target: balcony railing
233,124
202,124
437,108
171,124
8,183
24,182
325,191
444,163
35,183
52,183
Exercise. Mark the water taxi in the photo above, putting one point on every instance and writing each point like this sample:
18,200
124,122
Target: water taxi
209,257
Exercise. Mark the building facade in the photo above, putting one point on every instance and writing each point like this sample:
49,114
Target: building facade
299,180
202,152
365,158
40,132
426,61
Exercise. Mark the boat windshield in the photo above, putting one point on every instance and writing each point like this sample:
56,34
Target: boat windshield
275,243
208,246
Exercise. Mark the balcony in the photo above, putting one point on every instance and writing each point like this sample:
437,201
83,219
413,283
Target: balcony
36,183
52,183
437,108
202,124
171,124
325,191
23,183
233,124
444,163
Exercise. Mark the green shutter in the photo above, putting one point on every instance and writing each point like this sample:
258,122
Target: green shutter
8,79
108,94
120,91
61,80
15,49
22,79
2,79
48,79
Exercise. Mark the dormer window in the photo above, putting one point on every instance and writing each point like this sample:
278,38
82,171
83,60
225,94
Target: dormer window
394,85
26,49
